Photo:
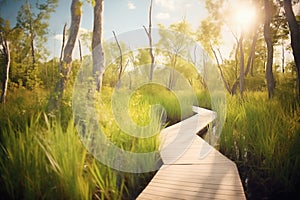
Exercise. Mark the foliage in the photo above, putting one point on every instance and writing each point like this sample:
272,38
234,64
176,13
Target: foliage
33,21
27,39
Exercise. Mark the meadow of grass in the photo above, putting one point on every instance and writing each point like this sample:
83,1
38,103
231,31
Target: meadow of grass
263,137
43,157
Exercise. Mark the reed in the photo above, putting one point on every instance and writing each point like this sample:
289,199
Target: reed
261,136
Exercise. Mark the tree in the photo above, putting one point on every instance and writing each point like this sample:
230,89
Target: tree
149,34
270,50
209,34
97,49
5,53
63,43
295,37
227,87
25,22
33,22
66,64
121,59
242,64
280,31
177,44
116,60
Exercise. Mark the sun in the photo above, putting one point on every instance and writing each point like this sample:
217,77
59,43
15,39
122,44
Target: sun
245,15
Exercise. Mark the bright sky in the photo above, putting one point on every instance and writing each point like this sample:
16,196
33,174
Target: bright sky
119,16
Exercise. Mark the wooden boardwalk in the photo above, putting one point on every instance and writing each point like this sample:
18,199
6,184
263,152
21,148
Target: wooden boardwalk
192,168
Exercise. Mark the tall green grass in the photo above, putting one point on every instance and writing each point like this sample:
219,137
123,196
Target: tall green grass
169,100
44,159
21,105
263,138
43,163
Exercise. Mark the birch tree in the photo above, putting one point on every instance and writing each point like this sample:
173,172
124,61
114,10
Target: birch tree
5,53
149,34
66,64
97,48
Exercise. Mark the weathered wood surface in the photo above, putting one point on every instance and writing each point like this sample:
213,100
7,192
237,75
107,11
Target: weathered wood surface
192,168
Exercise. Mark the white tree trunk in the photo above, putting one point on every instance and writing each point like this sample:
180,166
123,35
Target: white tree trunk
66,65
6,51
97,49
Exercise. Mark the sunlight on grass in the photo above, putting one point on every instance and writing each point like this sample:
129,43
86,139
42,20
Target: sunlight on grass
41,158
261,137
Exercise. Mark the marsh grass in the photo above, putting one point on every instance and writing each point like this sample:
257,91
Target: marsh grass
168,100
43,163
21,105
43,159
262,137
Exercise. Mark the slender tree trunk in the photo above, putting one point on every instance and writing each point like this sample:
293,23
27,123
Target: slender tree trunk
240,49
252,67
220,69
66,64
130,81
97,49
242,65
252,53
121,61
268,39
235,85
31,37
236,54
221,57
172,72
62,47
74,30
204,68
283,57
80,50
295,37
6,51
32,48
149,34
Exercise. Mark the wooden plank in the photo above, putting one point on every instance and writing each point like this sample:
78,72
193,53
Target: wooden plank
227,178
171,183
194,193
177,139
198,152
208,185
224,192
192,168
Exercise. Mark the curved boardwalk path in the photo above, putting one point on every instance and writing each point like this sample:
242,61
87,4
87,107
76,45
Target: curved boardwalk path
192,168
